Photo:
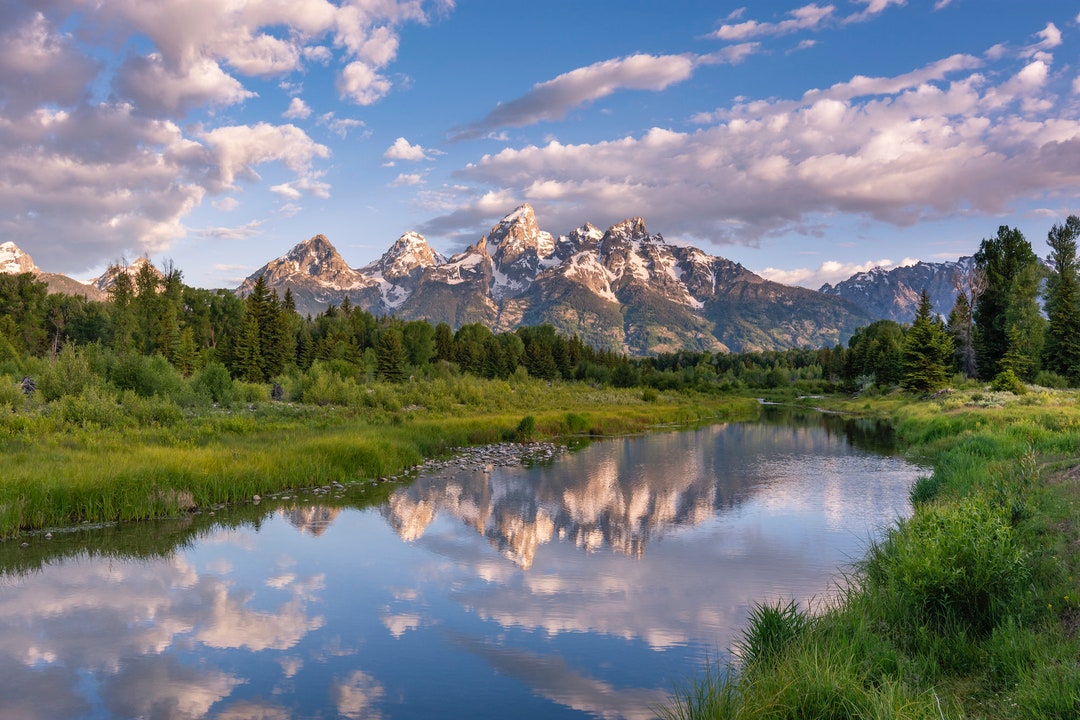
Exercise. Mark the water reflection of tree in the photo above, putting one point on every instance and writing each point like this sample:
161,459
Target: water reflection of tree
863,433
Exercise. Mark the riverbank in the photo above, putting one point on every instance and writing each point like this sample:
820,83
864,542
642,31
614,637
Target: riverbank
969,609
87,460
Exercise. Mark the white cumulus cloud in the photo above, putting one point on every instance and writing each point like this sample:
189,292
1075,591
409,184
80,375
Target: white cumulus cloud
403,150
941,140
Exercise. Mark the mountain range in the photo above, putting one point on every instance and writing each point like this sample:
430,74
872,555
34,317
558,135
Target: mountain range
623,289
894,294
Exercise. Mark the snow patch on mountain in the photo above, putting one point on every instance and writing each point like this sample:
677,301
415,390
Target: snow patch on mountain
14,261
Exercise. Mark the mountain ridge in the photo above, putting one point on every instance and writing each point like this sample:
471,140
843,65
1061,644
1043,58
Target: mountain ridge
623,289
894,294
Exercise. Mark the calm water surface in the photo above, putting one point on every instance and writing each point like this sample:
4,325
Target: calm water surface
583,587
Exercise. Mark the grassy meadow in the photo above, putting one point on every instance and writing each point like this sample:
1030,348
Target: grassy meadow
99,455
969,609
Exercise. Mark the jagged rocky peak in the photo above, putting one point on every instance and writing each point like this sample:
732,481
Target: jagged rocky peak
108,278
632,230
581,238
316,256
408,256
517,234
14,261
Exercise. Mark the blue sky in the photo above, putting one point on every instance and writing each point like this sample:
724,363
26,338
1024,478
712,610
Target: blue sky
805,140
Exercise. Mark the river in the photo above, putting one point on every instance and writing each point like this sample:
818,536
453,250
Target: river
581,587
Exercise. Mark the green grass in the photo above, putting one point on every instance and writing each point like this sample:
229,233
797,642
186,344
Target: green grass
107,455
968,609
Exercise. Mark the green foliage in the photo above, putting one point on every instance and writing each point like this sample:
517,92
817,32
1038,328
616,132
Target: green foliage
953,565
1049,379
148,376
1007,381
927,351
69,374
876,351
11,395
769,630
1061,352
418,339
1006,313
390,355
214,383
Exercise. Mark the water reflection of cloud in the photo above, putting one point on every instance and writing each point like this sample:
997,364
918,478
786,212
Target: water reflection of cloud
120,620
254,711
290,665
158,686
400,623
549,676
232,625
356,696
38,694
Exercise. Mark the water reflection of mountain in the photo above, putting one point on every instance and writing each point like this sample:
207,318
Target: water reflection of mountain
618,494
312,519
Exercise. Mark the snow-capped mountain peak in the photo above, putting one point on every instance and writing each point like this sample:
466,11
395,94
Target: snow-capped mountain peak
14,261
409,255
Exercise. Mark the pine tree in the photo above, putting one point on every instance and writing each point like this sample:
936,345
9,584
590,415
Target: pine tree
1012,277
444,342
122,294
1061,352
246,353
186,353
390,355
928,351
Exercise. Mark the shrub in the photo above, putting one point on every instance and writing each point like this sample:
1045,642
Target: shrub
149,375
69,374
91,408
11,395
151,411
1006,381
1052,380
246,392
955,565
214,383
325,387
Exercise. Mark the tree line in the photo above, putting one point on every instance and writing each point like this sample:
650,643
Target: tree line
995,331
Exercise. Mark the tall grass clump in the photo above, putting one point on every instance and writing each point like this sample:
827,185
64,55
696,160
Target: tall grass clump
952,565
769,629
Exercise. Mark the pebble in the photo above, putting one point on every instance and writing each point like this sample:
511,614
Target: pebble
485,458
